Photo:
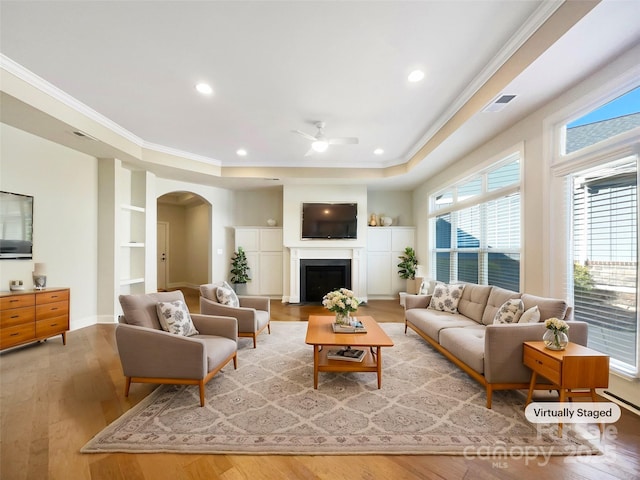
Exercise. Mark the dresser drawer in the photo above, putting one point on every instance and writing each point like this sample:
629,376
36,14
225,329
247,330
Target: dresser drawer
52,326
17,301
15,335
548,367
16,316
51,310
53,296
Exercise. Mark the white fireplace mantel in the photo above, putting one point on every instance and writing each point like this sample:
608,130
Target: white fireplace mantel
358,268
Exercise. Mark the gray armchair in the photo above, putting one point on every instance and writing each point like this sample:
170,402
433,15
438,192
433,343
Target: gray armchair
151,355
253,314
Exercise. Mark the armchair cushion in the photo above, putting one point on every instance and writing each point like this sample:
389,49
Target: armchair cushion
174,318
141,309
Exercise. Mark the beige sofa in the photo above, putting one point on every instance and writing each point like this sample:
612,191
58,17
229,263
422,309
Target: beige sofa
489,353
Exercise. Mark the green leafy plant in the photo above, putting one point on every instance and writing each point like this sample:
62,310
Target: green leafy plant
239,267
408,264
582,279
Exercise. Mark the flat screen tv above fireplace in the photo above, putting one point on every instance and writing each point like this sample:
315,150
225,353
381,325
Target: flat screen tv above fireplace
329,221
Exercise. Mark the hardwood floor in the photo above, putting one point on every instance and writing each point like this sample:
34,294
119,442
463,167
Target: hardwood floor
54,398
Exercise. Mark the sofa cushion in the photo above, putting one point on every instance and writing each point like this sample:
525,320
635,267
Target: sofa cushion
510,311
174,318
530,316
466,344
549,307
473,301
446,297
431,322
140,310
496,299
226,296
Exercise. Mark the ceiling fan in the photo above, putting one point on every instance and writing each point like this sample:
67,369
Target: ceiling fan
320,142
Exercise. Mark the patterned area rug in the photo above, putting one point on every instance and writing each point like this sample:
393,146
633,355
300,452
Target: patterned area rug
268,406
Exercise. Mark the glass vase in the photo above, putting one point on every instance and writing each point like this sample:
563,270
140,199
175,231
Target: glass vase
555,340
343,318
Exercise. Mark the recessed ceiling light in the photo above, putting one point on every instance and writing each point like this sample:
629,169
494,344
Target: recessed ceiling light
416,76
241,152
204,88
378,151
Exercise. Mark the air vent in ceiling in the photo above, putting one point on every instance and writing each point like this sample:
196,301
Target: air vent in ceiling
80,134
499,103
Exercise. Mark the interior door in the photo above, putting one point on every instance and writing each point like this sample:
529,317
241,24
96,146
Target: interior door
163,254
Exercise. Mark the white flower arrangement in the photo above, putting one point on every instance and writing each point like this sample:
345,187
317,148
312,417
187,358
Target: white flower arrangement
556,325
341,301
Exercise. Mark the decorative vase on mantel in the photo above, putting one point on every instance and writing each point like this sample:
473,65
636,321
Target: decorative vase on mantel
343,318
555,339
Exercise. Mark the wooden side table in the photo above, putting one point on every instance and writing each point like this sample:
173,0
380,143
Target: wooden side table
575,371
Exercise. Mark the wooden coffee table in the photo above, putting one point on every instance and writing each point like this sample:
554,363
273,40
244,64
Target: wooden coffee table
320,334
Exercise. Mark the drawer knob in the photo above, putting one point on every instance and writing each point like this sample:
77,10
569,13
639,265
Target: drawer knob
14,334
16,316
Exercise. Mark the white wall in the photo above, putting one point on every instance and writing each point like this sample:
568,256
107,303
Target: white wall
252,208
65,185
395,204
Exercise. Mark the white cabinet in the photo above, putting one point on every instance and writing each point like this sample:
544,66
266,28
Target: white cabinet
263,246
384,246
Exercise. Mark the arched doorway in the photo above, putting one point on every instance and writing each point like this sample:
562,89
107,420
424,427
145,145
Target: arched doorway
184,239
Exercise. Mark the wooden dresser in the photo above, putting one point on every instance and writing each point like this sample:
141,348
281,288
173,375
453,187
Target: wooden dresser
32,315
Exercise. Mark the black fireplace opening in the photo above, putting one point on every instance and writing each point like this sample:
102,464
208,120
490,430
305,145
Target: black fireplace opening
321,276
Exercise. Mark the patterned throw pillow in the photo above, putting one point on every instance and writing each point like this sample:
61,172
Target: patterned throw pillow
509,312
446,297
530,316
174,318
226,296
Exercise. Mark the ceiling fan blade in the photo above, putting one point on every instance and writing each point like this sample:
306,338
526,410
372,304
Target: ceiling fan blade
309,153
343,141
305,135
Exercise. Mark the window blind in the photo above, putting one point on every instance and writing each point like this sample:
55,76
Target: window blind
605,240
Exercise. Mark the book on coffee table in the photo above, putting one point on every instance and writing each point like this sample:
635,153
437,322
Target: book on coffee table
356,327
348,354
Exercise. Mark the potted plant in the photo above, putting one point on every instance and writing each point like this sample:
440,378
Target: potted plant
239,268
407,270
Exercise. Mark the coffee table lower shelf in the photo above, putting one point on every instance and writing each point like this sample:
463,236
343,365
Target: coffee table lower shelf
370,363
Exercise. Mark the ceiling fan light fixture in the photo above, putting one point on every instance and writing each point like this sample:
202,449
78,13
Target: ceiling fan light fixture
415,76
320,146
204,88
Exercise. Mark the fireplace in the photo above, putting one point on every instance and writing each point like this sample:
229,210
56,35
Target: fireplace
320,276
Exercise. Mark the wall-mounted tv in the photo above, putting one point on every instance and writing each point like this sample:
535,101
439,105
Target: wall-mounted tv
16,226
329,220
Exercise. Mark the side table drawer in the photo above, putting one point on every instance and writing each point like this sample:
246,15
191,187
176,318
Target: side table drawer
548,367
51,326
51,310
16,316
16,335
53,296
17,301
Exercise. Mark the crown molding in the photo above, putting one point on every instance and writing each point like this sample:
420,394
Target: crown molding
54,92
533,23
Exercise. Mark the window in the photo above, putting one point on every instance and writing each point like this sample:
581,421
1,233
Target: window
618,116
605,257
597,163
477,228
